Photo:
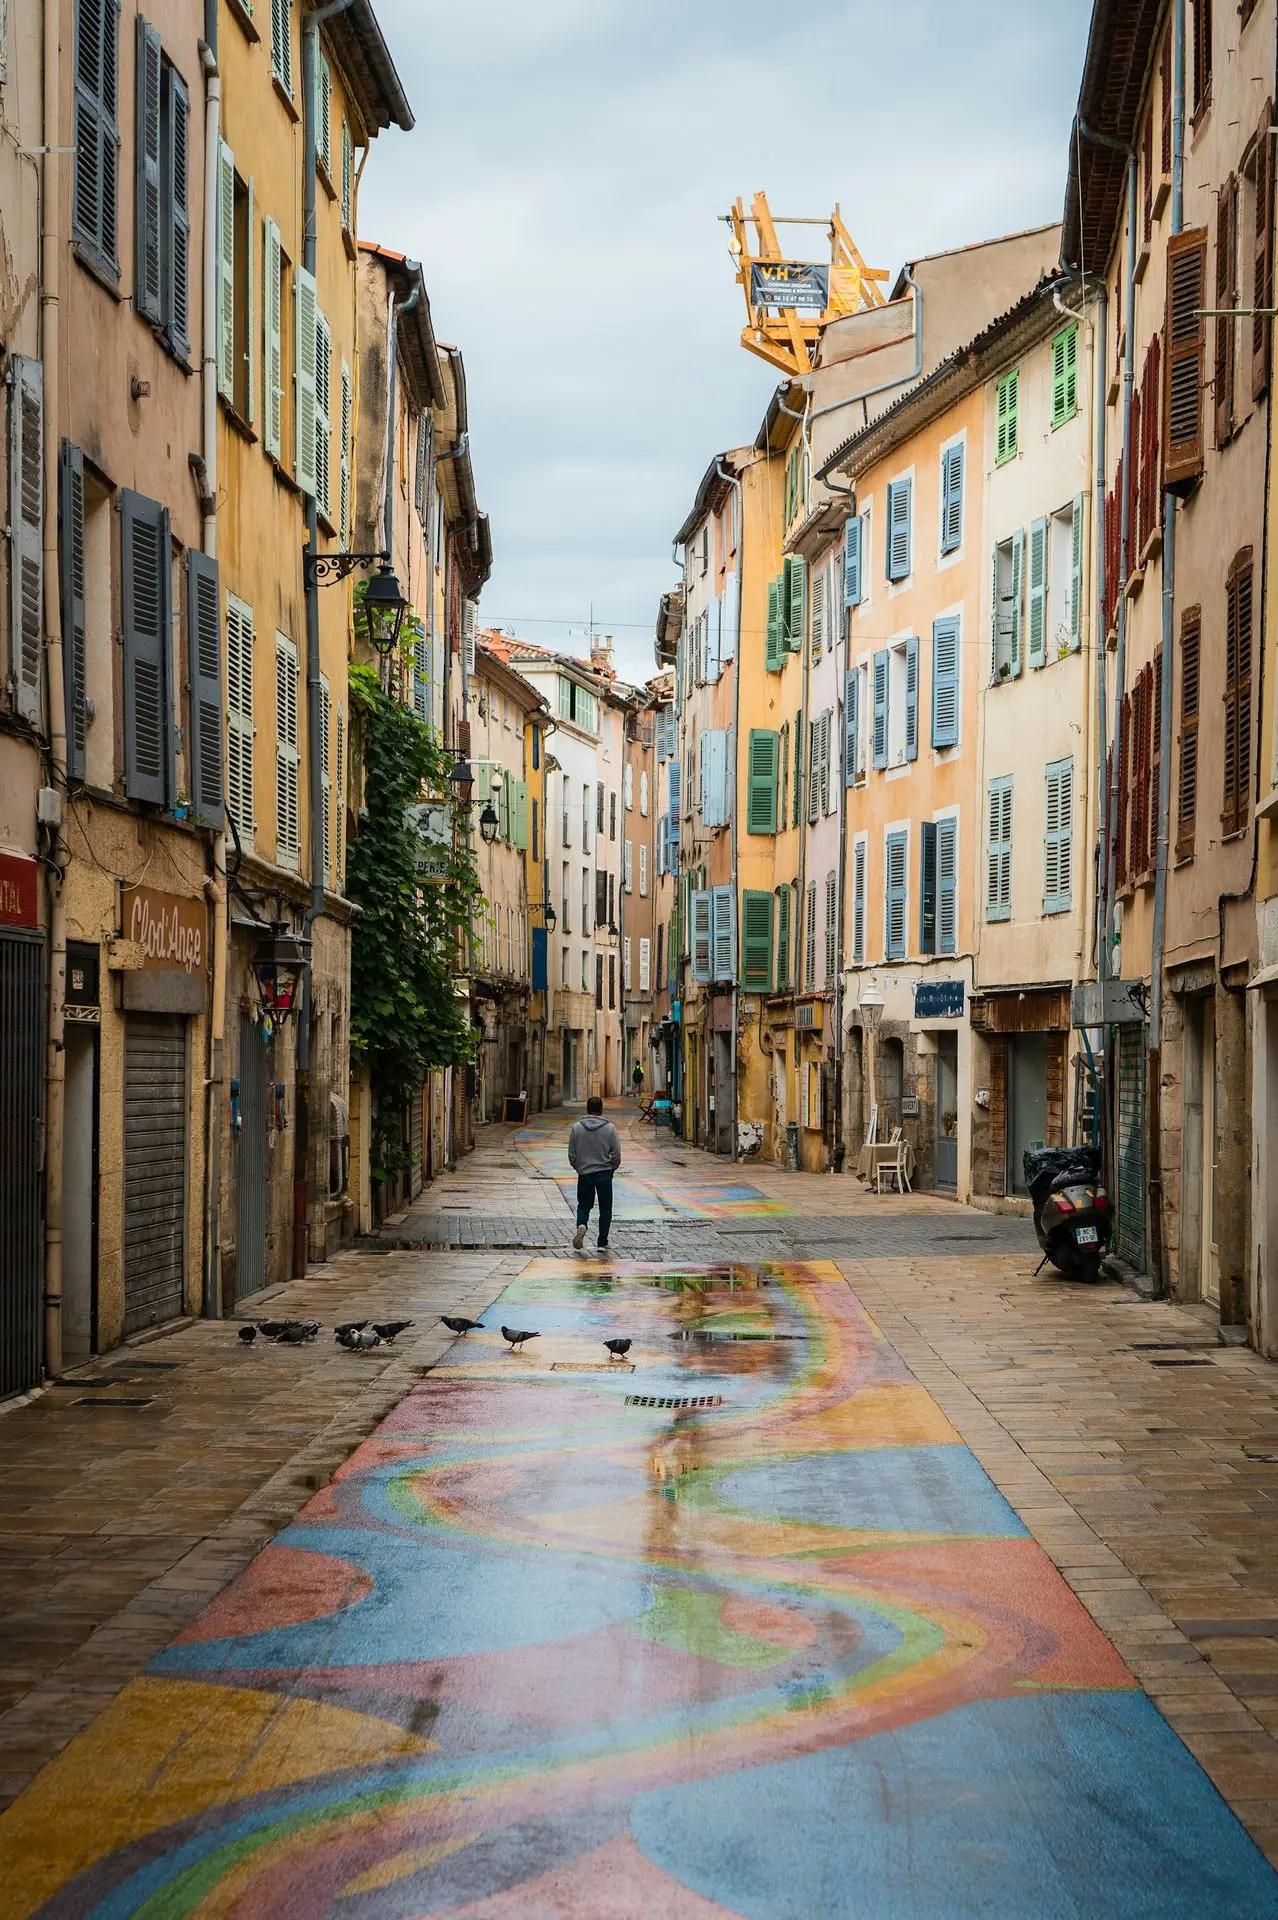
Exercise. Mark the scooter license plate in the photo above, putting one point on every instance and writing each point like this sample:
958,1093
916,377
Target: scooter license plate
1085,1236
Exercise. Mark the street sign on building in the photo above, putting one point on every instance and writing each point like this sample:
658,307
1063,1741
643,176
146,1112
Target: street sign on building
938,999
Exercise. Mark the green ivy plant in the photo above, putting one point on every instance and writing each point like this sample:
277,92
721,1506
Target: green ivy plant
410,936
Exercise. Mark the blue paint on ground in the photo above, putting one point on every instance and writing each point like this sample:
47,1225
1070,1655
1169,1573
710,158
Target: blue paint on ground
916,1490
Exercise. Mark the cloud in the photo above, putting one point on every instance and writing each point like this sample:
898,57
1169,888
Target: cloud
561,190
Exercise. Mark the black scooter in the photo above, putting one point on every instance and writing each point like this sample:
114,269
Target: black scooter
1073,1217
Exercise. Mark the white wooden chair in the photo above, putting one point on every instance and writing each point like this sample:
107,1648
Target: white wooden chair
893,1167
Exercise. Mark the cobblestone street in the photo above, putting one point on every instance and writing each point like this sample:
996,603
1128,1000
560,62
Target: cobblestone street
1139,1454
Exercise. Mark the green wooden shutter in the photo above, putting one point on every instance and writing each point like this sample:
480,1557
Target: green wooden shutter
147,291
774,653
1058,840
71,560
761,775
1064,376
1008,408
204,773
783,939
226,272
998,876
148,730
796,600
1038,594
1077,530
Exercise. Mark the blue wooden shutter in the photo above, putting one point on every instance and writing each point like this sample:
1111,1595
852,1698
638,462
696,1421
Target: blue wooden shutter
912,699
952,499
1076,573
204,759
900,531
851,726
147,288
858,903
1038,594
852,562
947,885
881,708
1058,839
148,730
927,887
945,681
896,895
71,562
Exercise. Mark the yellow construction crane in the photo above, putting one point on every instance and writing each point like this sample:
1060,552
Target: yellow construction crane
789,301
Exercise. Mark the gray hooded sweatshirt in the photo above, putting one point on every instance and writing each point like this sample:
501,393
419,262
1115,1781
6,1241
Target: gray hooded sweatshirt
594,1145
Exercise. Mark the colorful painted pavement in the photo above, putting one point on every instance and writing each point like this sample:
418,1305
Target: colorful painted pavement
650,1185
735,1627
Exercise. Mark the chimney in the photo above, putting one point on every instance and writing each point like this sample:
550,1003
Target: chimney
601,653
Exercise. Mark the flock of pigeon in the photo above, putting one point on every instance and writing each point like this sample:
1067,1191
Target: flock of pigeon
357,1336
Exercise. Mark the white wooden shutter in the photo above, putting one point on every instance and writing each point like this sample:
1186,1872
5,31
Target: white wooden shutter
26,531
1077,528
226,272
323,414
340,800
239,702
287,835
348,178
282,43
643,871
645,965
304,314
324,114
326,773
273,360
344,482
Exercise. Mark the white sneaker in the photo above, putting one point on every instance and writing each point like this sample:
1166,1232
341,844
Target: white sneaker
579,1238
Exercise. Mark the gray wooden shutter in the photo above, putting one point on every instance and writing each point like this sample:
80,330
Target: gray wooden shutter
896,894
26,531
273,361
147,289
723,913
858,903
148,731
945,681
1018,597
96,142
71,560
851,725
204,760
912,699
177,217
952,499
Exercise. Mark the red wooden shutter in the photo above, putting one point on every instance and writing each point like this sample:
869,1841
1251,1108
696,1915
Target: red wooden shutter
1184,347
1236,758
1165,92
1156,755
1147,168
1262,284
1187,788
1226,296
1134,488
1124,764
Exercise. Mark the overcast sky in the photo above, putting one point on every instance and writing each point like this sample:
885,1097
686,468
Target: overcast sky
561,191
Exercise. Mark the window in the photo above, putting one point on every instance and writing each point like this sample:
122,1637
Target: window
1065,578
1238,645
998,859
282,43
896,850
643,794
628,788
236,320
585,971
900,529
1226,296
287,757
809,940
1058,837
643,871
1201,57
603,912
1187,784
1165,98
858,901
565,818
239,699
1064,376
324,113
1007,410
565,897
831,929
756,942
160,192
783,939
146,598
761,803
612,983
1262,252
96,185
587,923
1184,350
952,498
645,965
627,865
579,705
946,657
348,180
599,982
896,704
585,817
1007,611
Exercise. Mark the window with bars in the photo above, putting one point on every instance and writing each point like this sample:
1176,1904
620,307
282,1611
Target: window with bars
1187,777
1236,757
287,755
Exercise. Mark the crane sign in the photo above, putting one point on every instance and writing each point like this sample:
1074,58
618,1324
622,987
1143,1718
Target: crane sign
789,301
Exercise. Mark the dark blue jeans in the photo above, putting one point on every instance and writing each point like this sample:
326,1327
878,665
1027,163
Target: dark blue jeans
592,1187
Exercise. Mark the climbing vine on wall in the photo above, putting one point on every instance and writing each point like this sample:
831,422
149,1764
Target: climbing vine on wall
406,1016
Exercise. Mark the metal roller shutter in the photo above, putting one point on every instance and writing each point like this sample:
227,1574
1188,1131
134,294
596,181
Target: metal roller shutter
416,1180
1130,1222
21,1184
155,1103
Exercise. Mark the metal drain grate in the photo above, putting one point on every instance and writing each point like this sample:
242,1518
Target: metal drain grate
93,1400
591,1366
1180,1360
659,1400
153,1366
707,1338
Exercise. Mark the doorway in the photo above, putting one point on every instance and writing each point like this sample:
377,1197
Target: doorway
1208,1244
80,1195
253,1165
947,1112
1026,1103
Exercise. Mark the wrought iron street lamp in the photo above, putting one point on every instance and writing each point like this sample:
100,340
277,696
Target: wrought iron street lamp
380,619
462,782
279,966
488,824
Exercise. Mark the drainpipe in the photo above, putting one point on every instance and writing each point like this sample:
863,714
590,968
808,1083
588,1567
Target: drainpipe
1154,1038
1099,603
734,481
1124,561
314,706
50,351
211,1304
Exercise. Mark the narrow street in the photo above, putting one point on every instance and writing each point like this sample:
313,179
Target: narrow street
880,1578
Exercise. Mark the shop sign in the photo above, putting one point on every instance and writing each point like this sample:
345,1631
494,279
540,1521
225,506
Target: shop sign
938,999
19,894
799,285
170,931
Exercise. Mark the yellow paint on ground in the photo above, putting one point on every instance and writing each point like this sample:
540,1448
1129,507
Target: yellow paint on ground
162,1751
401,1865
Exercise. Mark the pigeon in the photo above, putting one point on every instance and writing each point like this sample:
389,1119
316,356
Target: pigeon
359,1340
388,1329
294,1332
516,1338
618,1348
457,1323
248,1335
349,1326
274,1328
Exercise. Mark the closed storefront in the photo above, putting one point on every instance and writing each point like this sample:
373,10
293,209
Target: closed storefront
21,1111
1028,1102
155,1160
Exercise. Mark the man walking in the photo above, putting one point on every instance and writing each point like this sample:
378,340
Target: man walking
594,1153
